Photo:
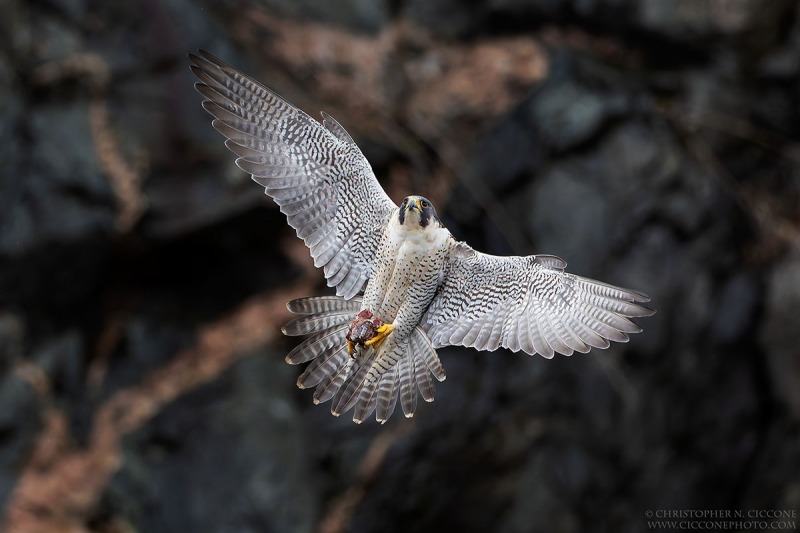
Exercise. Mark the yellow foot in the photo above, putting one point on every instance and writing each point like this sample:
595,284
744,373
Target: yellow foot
350,347
380,336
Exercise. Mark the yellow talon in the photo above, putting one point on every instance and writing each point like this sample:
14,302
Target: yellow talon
350,347
380,336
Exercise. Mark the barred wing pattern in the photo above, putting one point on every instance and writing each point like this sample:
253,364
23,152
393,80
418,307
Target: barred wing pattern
314,172
529,304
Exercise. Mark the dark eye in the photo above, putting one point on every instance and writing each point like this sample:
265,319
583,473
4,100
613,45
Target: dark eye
405,201
424,204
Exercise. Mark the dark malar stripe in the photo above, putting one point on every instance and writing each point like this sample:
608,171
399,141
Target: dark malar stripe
425,217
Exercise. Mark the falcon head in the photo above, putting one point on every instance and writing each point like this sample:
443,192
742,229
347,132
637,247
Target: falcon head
418,210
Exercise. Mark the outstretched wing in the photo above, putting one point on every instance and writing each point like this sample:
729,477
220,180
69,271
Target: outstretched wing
314,172
529,304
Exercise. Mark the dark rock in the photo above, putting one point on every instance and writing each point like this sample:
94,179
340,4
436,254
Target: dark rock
644,265
186,476
146,342
576,101
200,185
736,308
242,255
783,62
44,35
463,20
66,197
450,19
776,463
568,114
61,359
20,421
360,15
688,19
535,497
14,218
585,207
778,332
59,280
509,152
611,13
74,9
12,338
529,8
570,218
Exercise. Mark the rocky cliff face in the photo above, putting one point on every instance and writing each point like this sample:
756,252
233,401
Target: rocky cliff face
143,277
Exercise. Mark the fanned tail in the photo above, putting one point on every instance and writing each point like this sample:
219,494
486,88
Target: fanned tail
369,382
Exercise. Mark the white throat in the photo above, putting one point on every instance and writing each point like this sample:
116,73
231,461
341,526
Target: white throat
411,233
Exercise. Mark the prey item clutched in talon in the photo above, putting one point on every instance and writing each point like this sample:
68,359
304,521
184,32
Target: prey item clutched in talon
364,327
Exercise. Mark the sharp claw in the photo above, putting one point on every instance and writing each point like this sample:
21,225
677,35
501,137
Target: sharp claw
350,348
380,336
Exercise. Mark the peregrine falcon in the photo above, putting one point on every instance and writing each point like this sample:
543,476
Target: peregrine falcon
422,289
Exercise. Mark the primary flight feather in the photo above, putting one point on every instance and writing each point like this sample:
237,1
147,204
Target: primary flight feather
421,288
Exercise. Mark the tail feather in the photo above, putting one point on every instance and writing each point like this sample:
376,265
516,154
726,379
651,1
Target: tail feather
388,389
359,391
385,360
315,323
330,386
317,345
322,367
408,393
425,350
367,402
347,398
323,305
424,381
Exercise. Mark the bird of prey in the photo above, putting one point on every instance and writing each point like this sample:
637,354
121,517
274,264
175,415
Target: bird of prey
422,289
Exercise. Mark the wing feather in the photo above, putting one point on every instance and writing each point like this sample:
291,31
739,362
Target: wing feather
569,337
551,335
314,171
509,335
534,323
529,304
524,335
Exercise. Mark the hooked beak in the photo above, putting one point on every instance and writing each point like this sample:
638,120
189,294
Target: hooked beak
413,203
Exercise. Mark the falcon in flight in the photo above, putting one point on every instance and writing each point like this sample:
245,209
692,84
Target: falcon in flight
422,289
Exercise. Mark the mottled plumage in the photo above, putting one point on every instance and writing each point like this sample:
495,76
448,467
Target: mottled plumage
424,290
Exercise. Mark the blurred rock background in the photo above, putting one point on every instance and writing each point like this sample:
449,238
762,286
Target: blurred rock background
143,277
